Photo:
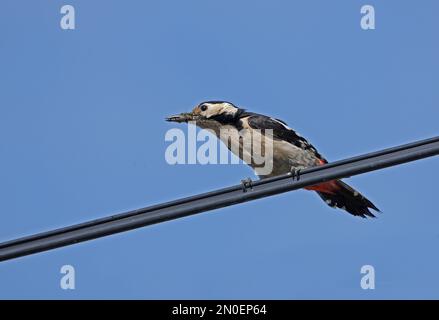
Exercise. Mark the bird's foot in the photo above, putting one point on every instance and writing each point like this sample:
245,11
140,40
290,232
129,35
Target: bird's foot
295,173
247,184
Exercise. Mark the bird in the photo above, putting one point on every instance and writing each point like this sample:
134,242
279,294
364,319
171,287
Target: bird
291,151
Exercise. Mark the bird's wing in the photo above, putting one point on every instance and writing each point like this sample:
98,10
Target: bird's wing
281,131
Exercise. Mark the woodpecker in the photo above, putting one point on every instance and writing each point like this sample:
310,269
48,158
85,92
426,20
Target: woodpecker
291,152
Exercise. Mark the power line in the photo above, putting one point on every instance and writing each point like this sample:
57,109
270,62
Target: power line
250,190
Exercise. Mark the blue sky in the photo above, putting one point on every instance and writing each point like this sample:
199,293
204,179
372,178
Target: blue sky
82,136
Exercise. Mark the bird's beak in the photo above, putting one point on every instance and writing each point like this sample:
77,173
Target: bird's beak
182,117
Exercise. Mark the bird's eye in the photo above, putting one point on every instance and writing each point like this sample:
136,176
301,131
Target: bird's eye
203,107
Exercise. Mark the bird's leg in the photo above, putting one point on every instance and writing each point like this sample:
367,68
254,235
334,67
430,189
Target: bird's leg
292,172
298,174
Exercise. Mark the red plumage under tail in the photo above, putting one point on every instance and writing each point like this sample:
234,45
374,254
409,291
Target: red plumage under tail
341,195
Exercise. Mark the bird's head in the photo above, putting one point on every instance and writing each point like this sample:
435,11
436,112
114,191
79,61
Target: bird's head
208,111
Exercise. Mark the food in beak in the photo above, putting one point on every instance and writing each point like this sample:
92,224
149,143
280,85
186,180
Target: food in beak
182,117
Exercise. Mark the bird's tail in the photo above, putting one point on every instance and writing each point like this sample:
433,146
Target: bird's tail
338,194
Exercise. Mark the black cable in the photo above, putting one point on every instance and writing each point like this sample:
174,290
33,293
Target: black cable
208,194
217,199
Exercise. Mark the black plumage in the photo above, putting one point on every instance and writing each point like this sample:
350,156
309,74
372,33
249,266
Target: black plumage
281,131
